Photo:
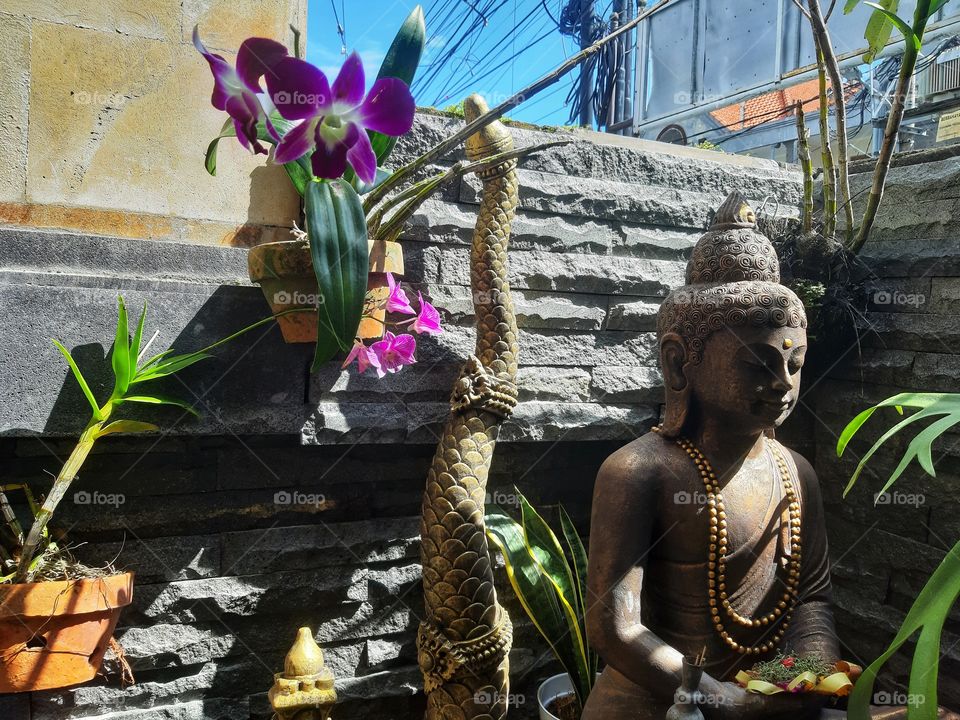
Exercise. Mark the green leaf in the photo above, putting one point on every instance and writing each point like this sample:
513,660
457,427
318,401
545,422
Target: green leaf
120,357
210,157
849,7
536,593
80,379
928,614
578,556
900,24
161,400
337,231
401,61
360,186
169,366
878,30
126,426
935,7
135,345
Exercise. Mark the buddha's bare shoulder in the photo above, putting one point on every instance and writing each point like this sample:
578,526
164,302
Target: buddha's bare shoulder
638,466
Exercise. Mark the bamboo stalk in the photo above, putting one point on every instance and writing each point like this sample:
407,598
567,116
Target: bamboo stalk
806,165
378,193
826,153
829,59
892,129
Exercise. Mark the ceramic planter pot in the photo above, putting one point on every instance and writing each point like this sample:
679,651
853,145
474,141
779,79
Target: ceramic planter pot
54,634
549,690
284,271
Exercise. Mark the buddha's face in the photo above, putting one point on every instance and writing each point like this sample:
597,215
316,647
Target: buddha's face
750,375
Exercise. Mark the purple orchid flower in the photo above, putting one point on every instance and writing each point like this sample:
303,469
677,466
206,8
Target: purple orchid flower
335,119
397,301
236,90
428,321
365,357
393,352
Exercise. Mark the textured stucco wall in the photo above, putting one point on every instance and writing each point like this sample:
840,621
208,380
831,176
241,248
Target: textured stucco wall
106,116
227,569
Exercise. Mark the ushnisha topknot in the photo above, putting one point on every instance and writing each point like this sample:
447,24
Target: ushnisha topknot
732,279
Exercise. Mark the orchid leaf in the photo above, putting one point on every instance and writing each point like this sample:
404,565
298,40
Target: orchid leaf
935,7
80,380
401,61
337,231
126,426
900,24
161,400
120,357
878,30
169,366
850,6
928,614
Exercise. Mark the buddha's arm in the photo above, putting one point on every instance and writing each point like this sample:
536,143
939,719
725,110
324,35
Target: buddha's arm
621,534
811,629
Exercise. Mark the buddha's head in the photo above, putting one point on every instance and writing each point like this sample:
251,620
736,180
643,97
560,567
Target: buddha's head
732,339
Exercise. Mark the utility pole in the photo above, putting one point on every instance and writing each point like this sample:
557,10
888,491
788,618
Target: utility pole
621,70
628,42
586,77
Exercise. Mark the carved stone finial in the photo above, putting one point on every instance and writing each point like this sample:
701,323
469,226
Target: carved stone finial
304,691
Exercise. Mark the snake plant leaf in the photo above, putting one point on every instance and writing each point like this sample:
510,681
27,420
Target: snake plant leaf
126,426
899,23
401,61
120,356
930,406
298,171
80,380
162,400
546,551
534,591
928,614
337,231
578,556
878,30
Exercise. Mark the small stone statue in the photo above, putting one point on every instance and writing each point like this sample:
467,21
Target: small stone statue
709,532
304,690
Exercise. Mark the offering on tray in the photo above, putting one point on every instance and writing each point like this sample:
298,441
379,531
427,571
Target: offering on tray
795,673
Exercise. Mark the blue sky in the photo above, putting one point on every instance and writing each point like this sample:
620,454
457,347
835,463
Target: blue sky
370,25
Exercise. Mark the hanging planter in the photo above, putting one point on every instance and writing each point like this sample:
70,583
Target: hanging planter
54,634
284,271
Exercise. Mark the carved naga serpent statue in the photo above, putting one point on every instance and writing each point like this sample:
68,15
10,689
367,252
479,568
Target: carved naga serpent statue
463,644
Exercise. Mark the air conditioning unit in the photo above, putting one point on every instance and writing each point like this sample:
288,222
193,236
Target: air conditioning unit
942,76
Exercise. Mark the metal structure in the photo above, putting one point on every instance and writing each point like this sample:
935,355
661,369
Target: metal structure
694,57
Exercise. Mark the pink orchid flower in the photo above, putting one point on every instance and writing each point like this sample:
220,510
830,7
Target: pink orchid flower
393,352
428,321
397,301
335,120
237,90
365,357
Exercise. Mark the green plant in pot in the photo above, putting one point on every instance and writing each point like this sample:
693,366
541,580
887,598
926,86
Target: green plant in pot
550,582
332,139
940,412
57,616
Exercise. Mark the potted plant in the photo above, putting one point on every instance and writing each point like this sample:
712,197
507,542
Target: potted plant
57,617
550,583
332,139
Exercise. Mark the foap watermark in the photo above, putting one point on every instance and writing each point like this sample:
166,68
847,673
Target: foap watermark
898,298
295,498
84,497
82,97
899,498
297,298
299,98
492,697
896,697
689,498
502,499
702,699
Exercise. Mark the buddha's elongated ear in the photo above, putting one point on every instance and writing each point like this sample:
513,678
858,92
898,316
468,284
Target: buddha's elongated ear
673,360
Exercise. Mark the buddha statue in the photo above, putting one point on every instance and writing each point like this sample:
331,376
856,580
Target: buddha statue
708,536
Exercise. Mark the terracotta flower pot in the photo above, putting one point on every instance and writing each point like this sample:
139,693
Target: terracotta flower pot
284,272
54,634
